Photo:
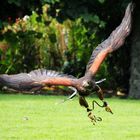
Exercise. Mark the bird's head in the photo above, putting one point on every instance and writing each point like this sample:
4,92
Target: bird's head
88,84
88,81
85,86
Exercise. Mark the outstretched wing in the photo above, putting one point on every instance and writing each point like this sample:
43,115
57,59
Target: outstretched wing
49,77
113,42
36,79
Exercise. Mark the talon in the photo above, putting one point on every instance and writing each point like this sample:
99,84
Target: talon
92,117
99,119
108,109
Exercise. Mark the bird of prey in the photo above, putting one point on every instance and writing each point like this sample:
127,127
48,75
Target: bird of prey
40,78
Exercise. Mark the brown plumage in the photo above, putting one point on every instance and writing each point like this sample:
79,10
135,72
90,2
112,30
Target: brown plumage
113,42
38,79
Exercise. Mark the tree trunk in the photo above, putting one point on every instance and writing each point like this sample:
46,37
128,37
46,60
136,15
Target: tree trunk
134,91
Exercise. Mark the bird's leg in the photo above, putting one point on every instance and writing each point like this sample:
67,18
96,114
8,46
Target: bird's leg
100,93
105,104
92,117
84,103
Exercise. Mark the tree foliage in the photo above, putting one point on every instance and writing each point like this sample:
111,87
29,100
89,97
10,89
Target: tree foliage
62,36
100,17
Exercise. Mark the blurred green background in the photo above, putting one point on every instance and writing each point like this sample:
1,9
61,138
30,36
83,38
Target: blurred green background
61,35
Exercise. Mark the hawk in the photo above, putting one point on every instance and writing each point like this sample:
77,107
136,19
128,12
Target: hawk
40,78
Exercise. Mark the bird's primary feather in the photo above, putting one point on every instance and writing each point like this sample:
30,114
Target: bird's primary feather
113,42
36,79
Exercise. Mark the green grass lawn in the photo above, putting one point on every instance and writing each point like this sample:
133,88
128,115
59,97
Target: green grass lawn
29,117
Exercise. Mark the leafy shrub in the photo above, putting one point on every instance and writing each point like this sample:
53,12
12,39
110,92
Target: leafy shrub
41,41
